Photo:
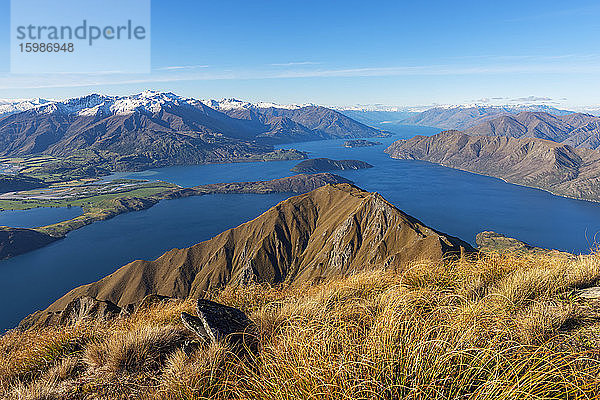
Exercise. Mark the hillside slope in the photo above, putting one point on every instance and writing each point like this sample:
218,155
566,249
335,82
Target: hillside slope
14,183
577,130
332,231
15,241
543,164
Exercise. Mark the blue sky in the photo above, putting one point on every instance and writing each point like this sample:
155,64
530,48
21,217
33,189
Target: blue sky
349,52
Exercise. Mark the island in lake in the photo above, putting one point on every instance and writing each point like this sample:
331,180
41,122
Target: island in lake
360,143
315,165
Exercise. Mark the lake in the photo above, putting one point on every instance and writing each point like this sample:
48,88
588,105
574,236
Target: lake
455,202
35,217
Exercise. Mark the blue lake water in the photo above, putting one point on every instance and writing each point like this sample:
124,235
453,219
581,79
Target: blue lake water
37,216
456,202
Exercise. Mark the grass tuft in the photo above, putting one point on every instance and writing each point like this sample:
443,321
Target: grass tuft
493,326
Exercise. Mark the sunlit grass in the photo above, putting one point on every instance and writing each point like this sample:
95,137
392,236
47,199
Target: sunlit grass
495,326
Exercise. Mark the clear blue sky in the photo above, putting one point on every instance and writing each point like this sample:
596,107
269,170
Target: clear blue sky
348,52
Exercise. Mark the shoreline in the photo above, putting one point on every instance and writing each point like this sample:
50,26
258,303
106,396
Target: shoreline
500,178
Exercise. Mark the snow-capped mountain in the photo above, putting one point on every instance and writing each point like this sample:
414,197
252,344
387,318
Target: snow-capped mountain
511,108
13,106
293,122
151,102
593,110
235,104
98,104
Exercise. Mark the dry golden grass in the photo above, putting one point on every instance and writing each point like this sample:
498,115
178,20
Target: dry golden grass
495,326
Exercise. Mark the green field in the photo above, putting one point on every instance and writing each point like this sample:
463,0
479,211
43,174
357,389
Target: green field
88,196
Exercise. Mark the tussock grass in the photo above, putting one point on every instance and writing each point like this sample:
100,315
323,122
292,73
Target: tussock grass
493,326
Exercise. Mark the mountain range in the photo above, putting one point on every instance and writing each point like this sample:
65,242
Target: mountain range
275,123
153,129
334,230
558,168
575,129
466,116
8,107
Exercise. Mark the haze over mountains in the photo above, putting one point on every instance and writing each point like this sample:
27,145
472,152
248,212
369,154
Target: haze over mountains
444,117
463,117
332,231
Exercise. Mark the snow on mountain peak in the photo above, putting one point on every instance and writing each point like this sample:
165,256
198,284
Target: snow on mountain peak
227,104
18,105
148,101
235,104
96,104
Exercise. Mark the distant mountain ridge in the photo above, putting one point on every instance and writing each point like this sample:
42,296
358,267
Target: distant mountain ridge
466,116
576,129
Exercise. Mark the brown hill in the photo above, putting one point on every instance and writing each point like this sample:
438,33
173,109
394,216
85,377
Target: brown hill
543,164
334,230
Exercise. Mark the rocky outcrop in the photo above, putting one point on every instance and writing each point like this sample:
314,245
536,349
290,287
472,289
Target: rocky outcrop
335,230
216,322
325,164
543,164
